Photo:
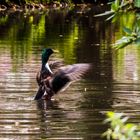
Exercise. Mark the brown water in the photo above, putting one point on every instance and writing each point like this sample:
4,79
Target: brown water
78,113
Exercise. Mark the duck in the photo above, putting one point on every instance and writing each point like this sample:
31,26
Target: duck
45,70
52,83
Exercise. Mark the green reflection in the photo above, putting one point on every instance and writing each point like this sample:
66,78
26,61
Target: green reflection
125,59
125,20
24,33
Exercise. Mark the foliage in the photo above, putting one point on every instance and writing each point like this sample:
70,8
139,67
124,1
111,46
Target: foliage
32,1
120,129
37,29
137,3
49,1
132,36
119,9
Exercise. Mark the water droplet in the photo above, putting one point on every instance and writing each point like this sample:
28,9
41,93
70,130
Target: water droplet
85,89
60,35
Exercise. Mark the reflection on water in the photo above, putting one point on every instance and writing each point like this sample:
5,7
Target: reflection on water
112,84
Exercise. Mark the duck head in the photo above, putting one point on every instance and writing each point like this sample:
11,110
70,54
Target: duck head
46,54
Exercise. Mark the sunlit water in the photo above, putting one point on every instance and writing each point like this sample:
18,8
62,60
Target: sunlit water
77,113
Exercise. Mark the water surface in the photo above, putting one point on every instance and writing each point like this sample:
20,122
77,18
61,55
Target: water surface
77,113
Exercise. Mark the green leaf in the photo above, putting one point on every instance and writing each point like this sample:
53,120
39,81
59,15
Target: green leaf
123,42
127,30
108,134
124,119
110,114
117,2
115,18
107,120
109,18
137,3
137,41
104,14
113,7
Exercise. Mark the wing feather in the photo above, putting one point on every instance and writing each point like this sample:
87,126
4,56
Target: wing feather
68,74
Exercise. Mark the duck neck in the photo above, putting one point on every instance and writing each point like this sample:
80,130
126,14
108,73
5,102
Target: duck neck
45,66
48,68
44,62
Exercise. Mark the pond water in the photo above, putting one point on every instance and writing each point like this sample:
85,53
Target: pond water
113,83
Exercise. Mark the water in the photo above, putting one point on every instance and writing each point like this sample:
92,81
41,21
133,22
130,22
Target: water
77,113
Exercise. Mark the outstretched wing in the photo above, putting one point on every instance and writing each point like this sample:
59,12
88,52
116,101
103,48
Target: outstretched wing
68,74
55,65
76,71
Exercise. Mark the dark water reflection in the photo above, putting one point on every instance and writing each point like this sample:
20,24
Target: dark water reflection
112,84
